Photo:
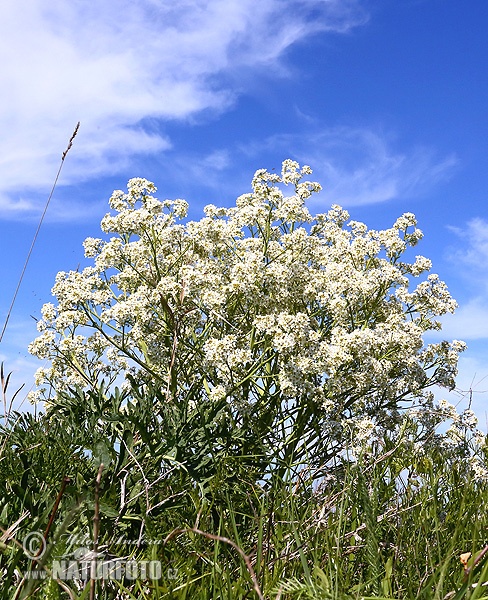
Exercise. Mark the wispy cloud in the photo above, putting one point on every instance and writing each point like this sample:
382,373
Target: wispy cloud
356,166
359,166
114,64
473,252
468,256
469,322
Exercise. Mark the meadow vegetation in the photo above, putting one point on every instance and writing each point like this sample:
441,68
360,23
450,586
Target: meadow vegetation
246,403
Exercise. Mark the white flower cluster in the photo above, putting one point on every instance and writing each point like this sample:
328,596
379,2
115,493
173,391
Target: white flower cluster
262,298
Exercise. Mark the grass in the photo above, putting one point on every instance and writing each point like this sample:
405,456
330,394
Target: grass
386,525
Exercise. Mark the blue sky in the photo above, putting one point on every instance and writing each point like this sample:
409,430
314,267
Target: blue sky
386,100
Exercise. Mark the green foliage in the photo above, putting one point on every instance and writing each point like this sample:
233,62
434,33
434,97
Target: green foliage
385,526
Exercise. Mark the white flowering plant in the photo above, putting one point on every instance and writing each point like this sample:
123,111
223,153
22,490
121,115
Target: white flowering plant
293,333
253,392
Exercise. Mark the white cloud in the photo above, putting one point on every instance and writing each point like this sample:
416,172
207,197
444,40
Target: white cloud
355,166
474,250
469,322
112,64
358,166
378,173
468,256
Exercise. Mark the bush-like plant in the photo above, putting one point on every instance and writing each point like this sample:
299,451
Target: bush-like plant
257,387
259,330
